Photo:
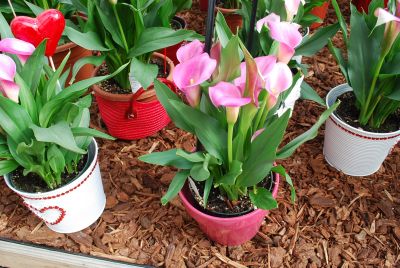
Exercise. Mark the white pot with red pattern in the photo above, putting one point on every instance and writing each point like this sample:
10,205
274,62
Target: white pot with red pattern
351,150
74,206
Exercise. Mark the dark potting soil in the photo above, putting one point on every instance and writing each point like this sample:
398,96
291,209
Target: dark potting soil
111,85
348,112
33,183
219,205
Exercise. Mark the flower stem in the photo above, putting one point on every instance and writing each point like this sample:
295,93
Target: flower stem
364,117
230,139
260,112
114,7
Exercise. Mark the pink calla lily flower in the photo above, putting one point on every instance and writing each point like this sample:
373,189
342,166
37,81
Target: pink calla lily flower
392,28
277,81
292,6
18,47
266,20
190,74
230,96
289,37
7,74
189,51
265,65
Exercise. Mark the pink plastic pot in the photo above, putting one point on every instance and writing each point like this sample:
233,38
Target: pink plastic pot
227,231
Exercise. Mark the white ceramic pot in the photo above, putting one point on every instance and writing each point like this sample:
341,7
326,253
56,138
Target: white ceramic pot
354,151
74,206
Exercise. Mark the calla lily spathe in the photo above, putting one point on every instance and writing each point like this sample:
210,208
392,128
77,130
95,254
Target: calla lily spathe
18,47
7,74
392,28
190,74
189,51
292,6
285,33
230,96
277,81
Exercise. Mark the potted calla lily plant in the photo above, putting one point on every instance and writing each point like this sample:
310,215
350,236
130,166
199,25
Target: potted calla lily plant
366,125
124,33
238,113
48,154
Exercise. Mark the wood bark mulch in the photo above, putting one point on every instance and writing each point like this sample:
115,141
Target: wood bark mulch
337,221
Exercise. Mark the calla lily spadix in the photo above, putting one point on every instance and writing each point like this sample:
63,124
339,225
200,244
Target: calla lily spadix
7,74
190,74
18,47
392,28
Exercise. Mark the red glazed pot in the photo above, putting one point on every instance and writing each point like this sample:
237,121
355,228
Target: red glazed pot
363,4
227,231
133,116
319,12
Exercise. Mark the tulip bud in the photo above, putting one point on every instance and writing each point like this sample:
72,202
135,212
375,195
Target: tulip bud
113,2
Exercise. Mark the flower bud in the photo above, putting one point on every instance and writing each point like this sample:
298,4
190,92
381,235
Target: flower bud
113,2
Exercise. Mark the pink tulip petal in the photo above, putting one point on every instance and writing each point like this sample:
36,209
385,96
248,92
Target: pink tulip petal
7,68
286,32
17,47
189,51
227,94
264,21
194,71
285,53
279,79
384,17
10,90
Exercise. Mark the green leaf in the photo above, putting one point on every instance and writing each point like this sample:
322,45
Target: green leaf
56,161
230,177
167,158
317,41
94,60
207,190
281,171
88,40
15,121
5,31
229,68
33,67
27,99
35,9
35,149
53,86
310,134
337,54
144,73
69,94
59,134
84,131
199,172
7,166
176,185
263,199
342,22
223,31
308,93
263,152
192,157
155,38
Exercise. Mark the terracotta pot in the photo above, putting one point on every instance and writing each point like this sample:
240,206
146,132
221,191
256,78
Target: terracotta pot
320,12
77,53
351,150
133,116
62,209
171,51
203,5
233,20
227,231
363,4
